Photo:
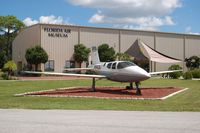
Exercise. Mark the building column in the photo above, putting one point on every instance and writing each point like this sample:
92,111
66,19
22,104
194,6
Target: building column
119,41
184,55
154,65
79,41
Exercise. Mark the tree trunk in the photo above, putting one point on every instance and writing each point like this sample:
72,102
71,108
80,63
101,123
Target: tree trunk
9,74
80,64
36,67
79,67
9,48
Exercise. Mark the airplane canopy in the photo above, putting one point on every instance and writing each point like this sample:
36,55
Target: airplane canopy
141,51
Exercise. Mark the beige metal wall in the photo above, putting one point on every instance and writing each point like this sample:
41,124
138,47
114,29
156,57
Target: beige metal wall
129,37
95,37
28,37
171,45
192,46
59,49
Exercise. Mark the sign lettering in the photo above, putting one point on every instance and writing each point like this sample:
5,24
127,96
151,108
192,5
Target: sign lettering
57,32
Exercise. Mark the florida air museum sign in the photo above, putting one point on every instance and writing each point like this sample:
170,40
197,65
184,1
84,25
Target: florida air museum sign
57,32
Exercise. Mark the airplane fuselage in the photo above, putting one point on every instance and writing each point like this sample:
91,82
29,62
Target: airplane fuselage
122,71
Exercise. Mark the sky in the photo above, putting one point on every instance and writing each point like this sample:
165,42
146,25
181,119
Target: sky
179,16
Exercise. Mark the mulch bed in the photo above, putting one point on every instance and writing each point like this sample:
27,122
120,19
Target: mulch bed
108,92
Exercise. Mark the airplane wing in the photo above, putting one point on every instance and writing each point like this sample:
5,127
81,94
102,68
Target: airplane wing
78,69
66,74
162,72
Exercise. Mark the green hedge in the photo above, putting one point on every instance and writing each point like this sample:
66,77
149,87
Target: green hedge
187,75
195,73
175,75
192,74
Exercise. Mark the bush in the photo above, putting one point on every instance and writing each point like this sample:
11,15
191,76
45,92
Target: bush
196,73
192,62
5,76
175,75
106,53
1,74
9,68
187,75
36,55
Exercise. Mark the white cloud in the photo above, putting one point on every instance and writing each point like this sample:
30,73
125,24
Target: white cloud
97,18
28,21
144,21
127,26
188,30
51,19
194,33
45,19
141,13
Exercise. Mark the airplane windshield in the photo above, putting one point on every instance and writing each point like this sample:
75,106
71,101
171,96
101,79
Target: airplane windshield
122,65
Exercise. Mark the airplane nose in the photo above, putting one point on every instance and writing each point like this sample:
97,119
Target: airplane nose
148,75
137,74
144,74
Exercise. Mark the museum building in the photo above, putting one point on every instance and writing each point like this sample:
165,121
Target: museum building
59,40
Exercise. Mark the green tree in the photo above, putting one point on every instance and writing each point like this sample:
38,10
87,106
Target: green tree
36,55
187,75
192,62
81,53
2,51
106,53
175,75
9,26
9,67
2,58
123,57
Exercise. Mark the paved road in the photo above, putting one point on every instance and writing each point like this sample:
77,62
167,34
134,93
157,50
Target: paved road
70,121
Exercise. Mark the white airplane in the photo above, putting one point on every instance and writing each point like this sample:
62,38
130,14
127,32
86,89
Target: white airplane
119,71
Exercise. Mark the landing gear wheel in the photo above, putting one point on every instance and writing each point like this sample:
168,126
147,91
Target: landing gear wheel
93,85
130,87
138,91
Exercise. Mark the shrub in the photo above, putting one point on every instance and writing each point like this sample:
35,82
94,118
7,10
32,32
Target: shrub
5,76
36,55
106,53
123,57
1,74
175,75
196,73
81,53
187,75
192,62
9,67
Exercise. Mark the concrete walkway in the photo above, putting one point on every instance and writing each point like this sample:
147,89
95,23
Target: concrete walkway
70,121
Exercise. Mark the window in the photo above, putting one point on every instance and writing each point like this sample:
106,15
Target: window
49,65
109,65
122,65
69,64
114,65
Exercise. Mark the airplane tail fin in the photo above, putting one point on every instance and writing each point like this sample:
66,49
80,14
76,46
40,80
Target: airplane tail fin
95,56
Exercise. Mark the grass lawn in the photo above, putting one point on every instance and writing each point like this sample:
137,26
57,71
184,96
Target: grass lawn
186,101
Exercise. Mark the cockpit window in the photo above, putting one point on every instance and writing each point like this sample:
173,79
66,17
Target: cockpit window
109,65
114,65
122,65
